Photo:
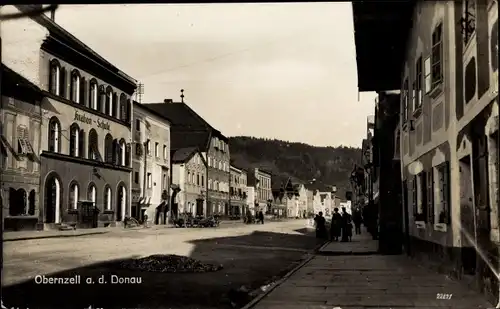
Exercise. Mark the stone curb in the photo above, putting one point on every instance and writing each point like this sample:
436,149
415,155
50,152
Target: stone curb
259,297
54,236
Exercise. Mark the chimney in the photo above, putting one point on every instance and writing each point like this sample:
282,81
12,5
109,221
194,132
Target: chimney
168,101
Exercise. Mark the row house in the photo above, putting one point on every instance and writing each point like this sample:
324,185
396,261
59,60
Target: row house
151,165
261,180
237,191
82,152
188,129
189,172
448,126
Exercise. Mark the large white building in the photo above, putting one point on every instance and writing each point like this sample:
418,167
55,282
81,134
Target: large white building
151,165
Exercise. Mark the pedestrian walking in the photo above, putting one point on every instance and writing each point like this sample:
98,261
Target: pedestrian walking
320,226
335,225
346,226
357,220
261,217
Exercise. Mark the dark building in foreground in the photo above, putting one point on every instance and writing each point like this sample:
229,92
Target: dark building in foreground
443,56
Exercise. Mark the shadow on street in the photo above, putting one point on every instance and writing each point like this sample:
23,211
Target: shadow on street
249,260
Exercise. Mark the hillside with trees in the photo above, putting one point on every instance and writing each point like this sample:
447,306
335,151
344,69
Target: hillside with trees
328,165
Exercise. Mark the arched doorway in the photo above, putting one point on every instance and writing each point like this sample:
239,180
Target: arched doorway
52,199
121,200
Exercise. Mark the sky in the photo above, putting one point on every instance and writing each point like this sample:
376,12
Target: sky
283,70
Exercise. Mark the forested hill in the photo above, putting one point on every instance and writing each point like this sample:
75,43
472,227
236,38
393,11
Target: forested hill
328,165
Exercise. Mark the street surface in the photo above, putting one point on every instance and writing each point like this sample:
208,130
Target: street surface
370,281
252,256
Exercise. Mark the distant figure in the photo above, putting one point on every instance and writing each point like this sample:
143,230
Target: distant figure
357,219
320,226
335,226
261,217
346,226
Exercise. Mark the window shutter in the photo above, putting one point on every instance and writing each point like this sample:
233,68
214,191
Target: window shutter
430,195
83,91
447,192
414,196
72,141
81,143
116,104
51,78
62,82
424,190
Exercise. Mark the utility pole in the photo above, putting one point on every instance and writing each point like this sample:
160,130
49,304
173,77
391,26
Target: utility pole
140,92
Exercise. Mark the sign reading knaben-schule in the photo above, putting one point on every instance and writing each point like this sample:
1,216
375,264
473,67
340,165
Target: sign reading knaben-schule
84,119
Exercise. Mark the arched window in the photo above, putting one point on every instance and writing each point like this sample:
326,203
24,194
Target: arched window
75,86
108,108
108,148
93,150
54,135
92,193
122,153
74,140
93,94
123,107
55,78
74,195
101,101
107,197
17,202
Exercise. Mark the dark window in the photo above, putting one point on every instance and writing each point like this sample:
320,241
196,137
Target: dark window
17,202
93,150
202,181
136,177
138,125
470,80
437,56
108,148
83,91
81,143
31,203
418,84
444,212
123,107
494,46
62,82
414,195
197,179
115,106
430,195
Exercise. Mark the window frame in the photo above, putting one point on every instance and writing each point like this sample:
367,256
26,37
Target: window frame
149,180
108,198
418,79
405,111
75,86
437,78
74,140
74,196
54,138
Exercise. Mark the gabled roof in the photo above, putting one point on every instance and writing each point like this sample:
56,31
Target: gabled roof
185,139
146,108
183,155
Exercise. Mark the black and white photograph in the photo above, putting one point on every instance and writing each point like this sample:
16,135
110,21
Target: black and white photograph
260,155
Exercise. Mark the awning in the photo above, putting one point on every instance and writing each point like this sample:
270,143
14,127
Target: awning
381,29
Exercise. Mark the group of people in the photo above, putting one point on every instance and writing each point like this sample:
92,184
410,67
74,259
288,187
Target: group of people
341,225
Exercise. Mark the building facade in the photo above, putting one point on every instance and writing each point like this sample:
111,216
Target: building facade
19,148
189,172
237,191
151,165
263,188
218,175
85,125
448,130
190,130
250,201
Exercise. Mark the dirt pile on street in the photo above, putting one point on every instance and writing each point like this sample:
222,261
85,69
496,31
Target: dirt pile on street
169,263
